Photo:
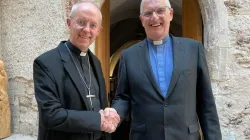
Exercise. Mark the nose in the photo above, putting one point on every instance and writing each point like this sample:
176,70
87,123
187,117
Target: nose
86,28
154,16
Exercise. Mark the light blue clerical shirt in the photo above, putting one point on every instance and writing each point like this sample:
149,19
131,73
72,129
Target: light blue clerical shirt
161,59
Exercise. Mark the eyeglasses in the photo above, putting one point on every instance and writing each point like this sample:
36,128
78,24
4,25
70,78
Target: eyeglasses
159,11
83,24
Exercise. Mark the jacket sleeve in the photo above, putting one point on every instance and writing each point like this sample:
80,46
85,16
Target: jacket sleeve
52,115
206,108
121,102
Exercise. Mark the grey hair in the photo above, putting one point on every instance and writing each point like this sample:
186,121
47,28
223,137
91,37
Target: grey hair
75,6
166,1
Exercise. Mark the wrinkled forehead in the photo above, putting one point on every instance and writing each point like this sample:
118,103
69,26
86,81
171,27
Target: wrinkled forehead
152,4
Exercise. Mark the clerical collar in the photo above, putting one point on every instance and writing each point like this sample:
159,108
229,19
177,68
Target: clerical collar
75,50
158,42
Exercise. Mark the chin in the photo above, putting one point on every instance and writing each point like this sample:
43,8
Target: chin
156,37
156,34
83,46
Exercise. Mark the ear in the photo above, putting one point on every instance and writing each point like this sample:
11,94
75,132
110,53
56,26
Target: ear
171,12
68,20
141,18
100,29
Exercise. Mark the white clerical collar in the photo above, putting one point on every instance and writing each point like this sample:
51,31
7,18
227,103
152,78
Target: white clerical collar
159,42
83,54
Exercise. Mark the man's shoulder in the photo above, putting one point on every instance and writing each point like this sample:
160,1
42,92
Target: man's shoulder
133,47
48,55
49,58
188,43
186,40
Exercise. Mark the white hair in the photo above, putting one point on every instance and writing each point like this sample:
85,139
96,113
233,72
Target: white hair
75,6
166,1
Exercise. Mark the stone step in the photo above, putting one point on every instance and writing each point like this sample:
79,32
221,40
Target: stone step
20,137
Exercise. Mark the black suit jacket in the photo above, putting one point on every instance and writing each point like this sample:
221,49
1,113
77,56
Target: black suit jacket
64,110
188,100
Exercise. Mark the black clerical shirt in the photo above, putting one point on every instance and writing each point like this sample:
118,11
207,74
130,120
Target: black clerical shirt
82,63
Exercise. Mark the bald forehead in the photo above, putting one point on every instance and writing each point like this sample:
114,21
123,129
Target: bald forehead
86,6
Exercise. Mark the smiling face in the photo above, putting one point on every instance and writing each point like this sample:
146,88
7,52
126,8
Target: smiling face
155,18
84,25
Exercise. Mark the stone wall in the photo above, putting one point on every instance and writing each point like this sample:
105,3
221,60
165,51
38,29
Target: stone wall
226,39
29,28
237,91
1,30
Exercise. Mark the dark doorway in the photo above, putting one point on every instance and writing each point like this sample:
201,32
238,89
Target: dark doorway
123,34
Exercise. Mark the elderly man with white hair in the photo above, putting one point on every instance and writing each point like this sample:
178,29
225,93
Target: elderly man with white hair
164,82
69,83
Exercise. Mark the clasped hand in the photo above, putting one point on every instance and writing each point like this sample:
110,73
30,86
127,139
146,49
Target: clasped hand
109,120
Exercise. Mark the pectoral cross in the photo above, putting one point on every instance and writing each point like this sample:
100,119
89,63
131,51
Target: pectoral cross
90,98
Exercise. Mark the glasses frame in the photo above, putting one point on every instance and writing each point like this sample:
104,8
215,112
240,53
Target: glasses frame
85,24
150,12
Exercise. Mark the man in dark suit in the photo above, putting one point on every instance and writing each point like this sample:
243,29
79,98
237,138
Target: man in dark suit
164,82
69,84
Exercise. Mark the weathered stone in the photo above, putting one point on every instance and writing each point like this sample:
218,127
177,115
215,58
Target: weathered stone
24,42
237,7
247,133
28,128
5,117
240,39
20,137
15,124
24,107
233,6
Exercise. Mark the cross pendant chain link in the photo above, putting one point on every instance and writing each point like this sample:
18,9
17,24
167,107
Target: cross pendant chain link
88,87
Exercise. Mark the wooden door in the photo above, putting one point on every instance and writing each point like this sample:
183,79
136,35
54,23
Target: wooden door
192,26
102,43
191,20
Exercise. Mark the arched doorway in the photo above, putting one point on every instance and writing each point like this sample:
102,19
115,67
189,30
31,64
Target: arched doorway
127,28
122,131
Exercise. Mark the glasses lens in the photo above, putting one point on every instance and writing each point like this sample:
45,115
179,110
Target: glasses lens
161,11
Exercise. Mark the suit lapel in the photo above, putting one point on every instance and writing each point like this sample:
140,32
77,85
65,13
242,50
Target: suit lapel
178,53
73,73
145,62
99,77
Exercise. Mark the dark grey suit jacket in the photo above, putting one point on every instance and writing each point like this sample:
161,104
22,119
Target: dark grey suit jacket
64,110
188,100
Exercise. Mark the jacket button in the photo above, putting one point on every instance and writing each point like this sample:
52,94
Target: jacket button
166,105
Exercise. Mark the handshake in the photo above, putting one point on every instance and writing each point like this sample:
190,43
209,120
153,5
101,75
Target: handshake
109,120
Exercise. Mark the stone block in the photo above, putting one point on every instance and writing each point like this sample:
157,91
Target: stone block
20,137
240,39
237,7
